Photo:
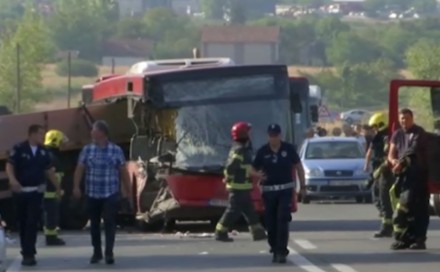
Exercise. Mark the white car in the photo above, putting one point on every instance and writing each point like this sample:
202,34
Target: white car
355,116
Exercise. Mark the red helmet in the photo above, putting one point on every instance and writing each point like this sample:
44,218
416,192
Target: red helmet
240,130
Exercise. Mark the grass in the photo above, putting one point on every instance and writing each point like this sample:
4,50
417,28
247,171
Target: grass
52,81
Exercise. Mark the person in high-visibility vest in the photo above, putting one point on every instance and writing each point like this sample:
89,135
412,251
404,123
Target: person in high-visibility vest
53,140
239,184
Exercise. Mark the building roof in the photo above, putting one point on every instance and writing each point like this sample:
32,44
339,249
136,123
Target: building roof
128,48
241,34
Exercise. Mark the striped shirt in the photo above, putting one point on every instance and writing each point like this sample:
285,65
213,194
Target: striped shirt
102,165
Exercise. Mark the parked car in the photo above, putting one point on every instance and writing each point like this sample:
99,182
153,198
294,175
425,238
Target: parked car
334,169
355,116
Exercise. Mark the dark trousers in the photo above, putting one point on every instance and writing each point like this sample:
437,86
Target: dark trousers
51,216
240,203
107,209
277,217
386,180
28,207
411,219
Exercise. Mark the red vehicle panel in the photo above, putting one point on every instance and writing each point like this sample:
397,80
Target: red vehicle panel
395,85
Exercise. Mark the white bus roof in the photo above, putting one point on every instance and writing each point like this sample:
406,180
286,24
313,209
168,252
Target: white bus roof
159,65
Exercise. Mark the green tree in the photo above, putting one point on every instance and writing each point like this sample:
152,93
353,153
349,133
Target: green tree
175,36
80,25
349,48
237,12
214,9
32,37
423,59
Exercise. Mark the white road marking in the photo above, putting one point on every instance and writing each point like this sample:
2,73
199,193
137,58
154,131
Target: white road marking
305,244
263,252
343,268
302,262
15,265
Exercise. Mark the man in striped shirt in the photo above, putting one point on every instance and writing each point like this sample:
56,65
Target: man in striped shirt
103,164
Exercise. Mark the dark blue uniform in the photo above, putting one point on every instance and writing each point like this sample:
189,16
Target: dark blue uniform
30,171
277,192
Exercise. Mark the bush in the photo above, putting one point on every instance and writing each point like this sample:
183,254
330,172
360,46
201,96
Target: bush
78,68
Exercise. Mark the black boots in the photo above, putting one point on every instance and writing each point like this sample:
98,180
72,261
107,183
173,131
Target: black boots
279,258
54,241
223,236
258,233
385,231
29,261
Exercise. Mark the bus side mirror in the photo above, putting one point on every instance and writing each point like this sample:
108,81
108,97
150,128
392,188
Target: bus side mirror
295,103
314,113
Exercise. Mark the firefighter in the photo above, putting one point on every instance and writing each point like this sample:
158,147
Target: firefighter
382,177
407,155
53,140
239,184
277,160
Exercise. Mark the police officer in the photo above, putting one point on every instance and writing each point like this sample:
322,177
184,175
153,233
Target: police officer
407,155
53,140
239,184
382,177
28,166
277,160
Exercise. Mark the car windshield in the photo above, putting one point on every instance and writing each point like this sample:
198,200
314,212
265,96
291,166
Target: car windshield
203,129
333,150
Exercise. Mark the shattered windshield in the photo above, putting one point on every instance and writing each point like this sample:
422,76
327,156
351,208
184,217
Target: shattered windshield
203,129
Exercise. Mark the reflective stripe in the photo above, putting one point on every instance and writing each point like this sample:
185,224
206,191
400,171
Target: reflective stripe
59,176
271,188
238,157
402,208
239,186
387,221
399,230
393,198
49,232
50,195
219,227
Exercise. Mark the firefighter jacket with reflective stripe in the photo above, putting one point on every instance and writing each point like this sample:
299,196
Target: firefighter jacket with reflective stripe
238,166
55,158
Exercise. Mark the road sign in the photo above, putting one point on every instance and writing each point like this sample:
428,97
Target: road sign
324,112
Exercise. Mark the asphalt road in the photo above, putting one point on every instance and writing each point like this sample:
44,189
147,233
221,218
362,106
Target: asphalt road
333,237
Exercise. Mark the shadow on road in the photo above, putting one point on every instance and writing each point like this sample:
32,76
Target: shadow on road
350,258
164,263
344,225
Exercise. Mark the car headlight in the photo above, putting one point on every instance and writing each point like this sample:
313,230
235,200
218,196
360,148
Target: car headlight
313,172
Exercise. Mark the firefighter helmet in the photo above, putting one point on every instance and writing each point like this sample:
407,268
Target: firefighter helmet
54,138
240,131
378,120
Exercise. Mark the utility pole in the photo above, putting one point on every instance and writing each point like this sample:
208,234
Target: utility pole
18,74
69,77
